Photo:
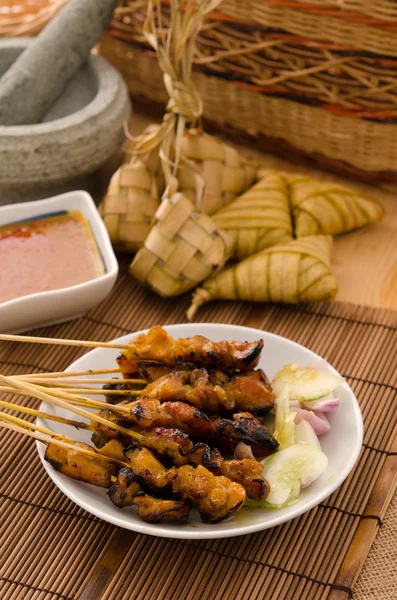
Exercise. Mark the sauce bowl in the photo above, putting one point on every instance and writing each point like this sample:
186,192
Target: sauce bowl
56,306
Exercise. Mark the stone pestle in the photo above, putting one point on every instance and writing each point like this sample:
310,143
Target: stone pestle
39,75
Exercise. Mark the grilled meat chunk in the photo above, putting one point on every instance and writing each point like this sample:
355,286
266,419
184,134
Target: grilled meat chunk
156,510
126,491
158,346
213,391
79,466
216,498
244,427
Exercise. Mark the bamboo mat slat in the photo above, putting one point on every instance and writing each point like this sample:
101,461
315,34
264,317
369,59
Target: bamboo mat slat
50,548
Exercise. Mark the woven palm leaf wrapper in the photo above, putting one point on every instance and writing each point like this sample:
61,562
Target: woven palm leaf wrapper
184,245
134,192
259,218
328,208
183,248
298,271
210,172
225,174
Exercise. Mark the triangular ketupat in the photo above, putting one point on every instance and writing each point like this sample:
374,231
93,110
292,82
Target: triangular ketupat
298,271
321,207
259,218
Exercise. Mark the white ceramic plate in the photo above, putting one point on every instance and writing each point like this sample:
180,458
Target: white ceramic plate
342,444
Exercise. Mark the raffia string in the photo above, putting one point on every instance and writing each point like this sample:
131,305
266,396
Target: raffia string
175,47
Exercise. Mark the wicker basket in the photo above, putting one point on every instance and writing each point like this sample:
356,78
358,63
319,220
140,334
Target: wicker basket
315,77
27,17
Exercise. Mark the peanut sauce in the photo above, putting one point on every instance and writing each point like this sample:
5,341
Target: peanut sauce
48,253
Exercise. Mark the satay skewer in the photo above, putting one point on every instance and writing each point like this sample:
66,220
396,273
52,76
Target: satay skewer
71,398
69,373
57,401
42,415
49,439
53,381
61,342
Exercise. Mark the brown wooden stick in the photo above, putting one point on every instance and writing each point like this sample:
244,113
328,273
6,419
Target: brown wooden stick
34,426
46,439
71,398
52,399
67,382
37,413
42,340
69,373
87,402
95,391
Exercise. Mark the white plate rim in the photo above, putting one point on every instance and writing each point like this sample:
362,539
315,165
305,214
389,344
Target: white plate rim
157,530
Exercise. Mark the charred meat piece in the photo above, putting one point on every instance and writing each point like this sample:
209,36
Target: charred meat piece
216,498
213,391
148,471
79,466
159,347
151,370
244,427
126,491
156,510
248,473
175,444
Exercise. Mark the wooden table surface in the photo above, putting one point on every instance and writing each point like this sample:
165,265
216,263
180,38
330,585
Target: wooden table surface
364,261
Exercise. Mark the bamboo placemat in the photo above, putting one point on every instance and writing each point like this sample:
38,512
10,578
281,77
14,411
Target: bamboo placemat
52,549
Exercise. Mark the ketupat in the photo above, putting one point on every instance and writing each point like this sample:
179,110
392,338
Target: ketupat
298,271
328,208
134,192
129,206
183,248
212,173
259,218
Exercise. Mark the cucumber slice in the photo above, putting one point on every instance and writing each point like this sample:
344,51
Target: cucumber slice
305,383
288,466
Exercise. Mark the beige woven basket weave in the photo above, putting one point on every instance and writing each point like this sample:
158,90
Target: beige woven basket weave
27,17
317,77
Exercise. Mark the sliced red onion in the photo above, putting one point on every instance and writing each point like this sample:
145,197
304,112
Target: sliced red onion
323,404
317,420
243,451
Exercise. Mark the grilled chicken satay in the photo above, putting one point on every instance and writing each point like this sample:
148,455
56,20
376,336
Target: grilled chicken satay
176,445
79,466
214,391
100,473
160,347
216,498
147,414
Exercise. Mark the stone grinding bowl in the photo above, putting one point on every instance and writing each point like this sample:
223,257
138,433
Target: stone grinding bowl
82,130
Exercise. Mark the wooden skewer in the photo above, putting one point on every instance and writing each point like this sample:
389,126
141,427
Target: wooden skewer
52,399
96,391
42,340
34,426
46,439
71,398
69,373
43,415
53,381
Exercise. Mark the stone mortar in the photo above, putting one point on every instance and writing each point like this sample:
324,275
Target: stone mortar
79,133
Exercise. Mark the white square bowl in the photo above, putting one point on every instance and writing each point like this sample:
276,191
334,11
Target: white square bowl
56,306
